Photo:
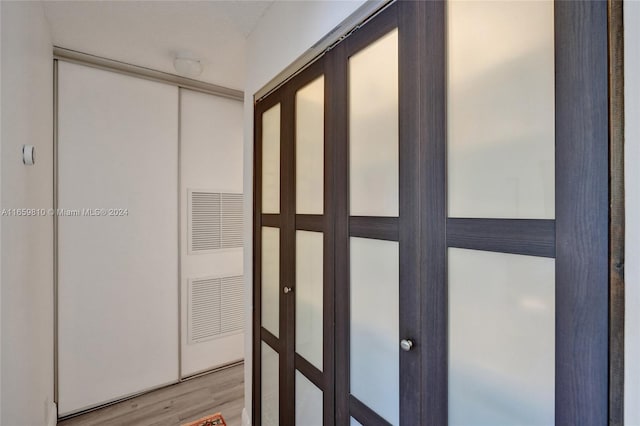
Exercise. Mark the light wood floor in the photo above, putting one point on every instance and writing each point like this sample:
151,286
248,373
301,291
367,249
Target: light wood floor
222,391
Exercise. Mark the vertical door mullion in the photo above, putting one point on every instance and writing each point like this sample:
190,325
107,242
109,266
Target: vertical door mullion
581,213
257,250
409,43
287,259
337,101
328,291
433,213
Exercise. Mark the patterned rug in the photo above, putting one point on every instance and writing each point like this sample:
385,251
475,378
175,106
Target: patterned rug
212,420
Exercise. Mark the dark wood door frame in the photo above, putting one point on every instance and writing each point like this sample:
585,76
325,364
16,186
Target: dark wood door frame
582,212
617,213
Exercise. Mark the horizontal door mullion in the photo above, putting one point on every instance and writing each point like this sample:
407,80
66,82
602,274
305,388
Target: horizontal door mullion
271,220
314,375
310,222
533,237
365,415
270,339
380,228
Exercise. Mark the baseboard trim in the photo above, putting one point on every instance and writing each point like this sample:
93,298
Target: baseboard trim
246,420
52,414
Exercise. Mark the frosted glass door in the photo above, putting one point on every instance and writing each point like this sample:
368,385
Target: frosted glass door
374,200
309,347
432,223
292,328
270,334
501,144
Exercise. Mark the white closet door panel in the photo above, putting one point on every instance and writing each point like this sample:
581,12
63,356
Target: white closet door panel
210,160
210,132
118,295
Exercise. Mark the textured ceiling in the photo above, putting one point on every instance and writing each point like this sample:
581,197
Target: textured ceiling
149,33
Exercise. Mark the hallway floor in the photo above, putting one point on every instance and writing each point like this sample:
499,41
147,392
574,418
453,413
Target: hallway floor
221,391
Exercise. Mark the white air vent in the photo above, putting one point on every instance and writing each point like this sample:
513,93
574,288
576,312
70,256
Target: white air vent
204,308
231,213
215,307
215,221
232,306
205,221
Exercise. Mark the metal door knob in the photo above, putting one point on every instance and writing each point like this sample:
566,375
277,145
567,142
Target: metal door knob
287,290
406,345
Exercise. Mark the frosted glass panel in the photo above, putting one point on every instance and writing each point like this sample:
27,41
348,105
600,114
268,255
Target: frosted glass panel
354,422
501,339
308,402
269,391
501,109
310,148
271,160
374,325
373,128
309,296
271,279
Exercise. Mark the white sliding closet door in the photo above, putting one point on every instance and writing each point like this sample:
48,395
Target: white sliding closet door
211,219
118,275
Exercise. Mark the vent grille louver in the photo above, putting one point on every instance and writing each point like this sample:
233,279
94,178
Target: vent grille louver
231,224
216,221
215,307
231,306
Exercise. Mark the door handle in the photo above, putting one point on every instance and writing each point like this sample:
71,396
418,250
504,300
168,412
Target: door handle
287,290
406,345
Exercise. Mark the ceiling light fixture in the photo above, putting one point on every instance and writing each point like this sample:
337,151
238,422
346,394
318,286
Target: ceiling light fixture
187,65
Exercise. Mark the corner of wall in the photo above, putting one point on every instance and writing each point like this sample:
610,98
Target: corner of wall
248,256
1,139
52,415
26,312
246,420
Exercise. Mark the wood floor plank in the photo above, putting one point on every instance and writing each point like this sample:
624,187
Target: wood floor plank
221,391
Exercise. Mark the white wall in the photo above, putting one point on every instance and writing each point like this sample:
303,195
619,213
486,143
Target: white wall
27,261
632,195
1,139
284,33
